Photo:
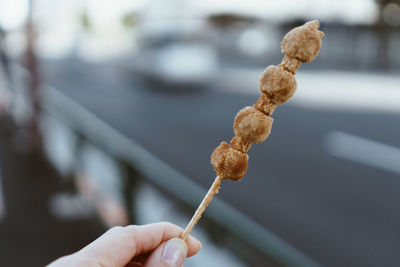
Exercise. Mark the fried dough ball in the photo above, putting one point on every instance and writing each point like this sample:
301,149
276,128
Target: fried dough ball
229,163
252,126
303,42
278,84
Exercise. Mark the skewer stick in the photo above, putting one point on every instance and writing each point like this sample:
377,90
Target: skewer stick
206,200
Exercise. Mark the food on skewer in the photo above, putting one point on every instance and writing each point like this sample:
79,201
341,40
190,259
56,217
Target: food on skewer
252,125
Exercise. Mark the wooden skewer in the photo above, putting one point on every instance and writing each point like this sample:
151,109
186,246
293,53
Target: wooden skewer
252,125
206,200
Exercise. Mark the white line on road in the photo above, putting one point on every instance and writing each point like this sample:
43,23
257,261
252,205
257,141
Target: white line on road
362,150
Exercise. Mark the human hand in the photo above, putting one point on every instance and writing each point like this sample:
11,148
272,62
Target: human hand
149,245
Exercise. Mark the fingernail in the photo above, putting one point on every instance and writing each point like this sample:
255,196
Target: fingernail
174,252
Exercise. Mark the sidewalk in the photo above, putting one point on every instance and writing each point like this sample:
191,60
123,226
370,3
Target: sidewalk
30,235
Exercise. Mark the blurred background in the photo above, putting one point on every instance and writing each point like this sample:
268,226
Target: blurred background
109,111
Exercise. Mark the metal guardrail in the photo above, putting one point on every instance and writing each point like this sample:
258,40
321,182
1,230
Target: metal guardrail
76,117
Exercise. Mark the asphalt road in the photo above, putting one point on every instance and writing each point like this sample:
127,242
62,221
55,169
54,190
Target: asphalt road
305,183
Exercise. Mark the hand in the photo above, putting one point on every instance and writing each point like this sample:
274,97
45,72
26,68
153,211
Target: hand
149,245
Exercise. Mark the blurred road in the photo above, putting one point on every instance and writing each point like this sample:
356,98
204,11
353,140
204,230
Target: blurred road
337,207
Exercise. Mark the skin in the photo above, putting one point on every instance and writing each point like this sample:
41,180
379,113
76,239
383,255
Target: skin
130,246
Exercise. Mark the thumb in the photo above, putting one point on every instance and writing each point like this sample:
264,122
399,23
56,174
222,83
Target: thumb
169,254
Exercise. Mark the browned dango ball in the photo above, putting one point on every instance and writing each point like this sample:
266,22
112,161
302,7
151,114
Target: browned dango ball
278,84
303,42
228,162
252,126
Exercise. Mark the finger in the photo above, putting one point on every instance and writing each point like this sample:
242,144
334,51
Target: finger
152,235
194,247
120,244
169,254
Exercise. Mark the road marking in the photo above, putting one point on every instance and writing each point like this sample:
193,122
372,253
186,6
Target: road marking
2,200
364,151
